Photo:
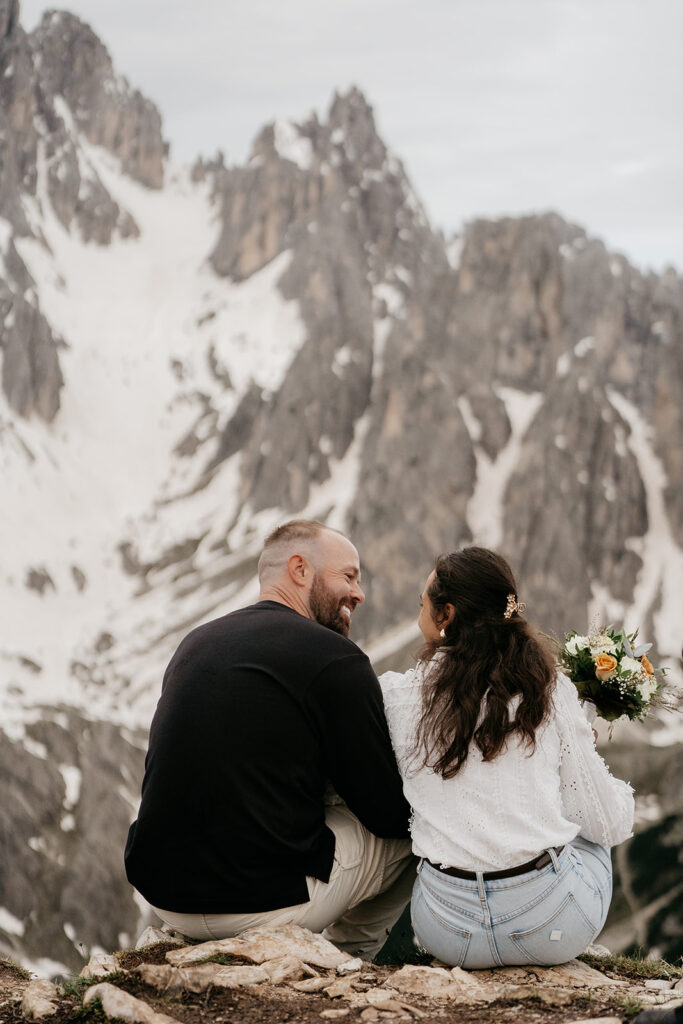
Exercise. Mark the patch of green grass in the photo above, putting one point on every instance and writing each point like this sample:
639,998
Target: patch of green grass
633,966
154,947
227,959
92,1014
10,965
629,1005
74,988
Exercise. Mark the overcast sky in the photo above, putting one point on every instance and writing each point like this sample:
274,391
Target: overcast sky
495,106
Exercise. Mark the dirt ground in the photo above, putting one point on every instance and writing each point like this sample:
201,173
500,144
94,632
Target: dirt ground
282,1006
267,1005
13,981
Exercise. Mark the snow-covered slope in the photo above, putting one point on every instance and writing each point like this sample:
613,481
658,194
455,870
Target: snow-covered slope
137,374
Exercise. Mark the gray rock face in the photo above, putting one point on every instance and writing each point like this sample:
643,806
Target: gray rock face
62,849
9,16
54,83
574,505
534,305
77,66
31,375
412,415
18,108
506,319
636,322
348,213
665,372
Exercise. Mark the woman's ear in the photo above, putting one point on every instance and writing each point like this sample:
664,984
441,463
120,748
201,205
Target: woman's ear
447,617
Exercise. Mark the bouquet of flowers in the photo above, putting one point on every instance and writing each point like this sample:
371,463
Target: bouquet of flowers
611,672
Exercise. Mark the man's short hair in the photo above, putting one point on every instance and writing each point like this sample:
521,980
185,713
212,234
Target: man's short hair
277,545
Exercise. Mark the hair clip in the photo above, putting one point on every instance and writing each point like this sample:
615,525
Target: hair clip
513,605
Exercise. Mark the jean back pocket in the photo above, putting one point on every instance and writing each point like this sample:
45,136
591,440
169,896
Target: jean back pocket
559,937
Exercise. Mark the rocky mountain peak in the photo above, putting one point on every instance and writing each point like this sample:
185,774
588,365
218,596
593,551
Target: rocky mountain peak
76,65
351,120
311,178
361,251
348,136
59,92
9,17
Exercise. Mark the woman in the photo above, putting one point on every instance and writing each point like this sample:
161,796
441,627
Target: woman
514,811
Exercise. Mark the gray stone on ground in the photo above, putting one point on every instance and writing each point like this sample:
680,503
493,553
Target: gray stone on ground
259,944
440,982
166,978
39,999
152,935
100,965
349,966
117,1003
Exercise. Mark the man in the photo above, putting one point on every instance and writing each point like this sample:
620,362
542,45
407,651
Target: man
261,712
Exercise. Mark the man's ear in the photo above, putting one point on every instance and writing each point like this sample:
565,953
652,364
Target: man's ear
299,570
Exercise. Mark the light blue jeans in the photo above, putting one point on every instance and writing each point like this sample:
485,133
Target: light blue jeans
541,917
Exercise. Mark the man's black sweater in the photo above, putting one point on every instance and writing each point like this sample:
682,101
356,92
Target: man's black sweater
259,711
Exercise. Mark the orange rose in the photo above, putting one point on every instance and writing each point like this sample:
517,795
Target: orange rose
605,666
647,665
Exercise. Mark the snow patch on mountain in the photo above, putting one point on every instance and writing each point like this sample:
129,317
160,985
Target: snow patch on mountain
292,145
9,923
485,507
658,587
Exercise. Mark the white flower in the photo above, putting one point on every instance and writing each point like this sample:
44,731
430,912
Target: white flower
647,687
576,644
631,667
602,644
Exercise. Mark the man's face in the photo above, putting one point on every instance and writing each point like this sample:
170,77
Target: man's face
335,590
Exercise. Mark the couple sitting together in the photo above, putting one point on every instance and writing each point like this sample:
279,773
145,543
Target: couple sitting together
285,784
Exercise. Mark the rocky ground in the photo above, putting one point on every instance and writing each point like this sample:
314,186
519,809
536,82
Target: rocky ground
286,974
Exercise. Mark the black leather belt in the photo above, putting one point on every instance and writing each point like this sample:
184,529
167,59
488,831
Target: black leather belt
536,864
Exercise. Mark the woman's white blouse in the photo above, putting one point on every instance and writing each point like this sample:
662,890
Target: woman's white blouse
503,812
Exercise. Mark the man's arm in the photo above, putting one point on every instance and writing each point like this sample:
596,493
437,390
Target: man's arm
346,702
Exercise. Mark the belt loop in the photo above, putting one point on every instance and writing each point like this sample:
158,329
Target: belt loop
481,887
554,858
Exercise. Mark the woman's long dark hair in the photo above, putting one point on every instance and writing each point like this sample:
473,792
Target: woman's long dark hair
482,653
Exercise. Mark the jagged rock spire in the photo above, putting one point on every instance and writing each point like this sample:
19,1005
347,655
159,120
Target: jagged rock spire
75,64
9,18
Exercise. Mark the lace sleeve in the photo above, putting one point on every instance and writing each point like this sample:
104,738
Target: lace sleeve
392,683
592,798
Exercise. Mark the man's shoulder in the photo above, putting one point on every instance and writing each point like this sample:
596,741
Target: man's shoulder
277,622
249,616
329,649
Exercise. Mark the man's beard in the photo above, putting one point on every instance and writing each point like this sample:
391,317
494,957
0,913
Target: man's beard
327,609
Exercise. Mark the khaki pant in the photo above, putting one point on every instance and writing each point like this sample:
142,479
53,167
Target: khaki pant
370,884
